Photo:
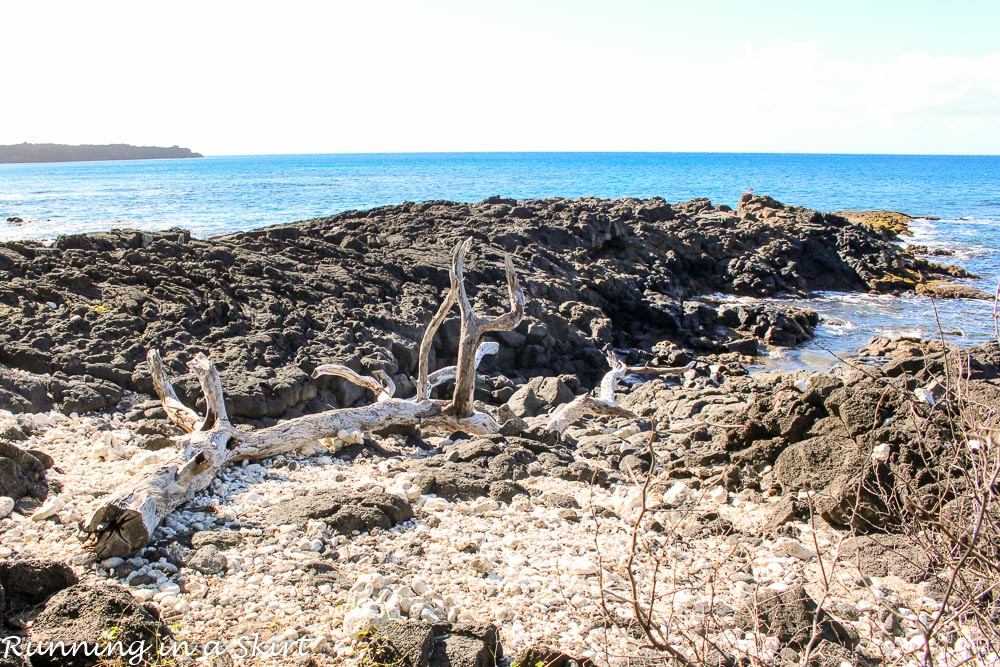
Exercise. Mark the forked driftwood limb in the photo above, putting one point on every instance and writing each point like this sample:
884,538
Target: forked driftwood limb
378,382
474,326
603,404
126,522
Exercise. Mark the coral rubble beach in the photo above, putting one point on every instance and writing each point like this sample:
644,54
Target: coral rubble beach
776,511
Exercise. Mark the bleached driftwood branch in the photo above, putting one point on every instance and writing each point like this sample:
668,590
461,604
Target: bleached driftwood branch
176,411
378,382
473,328
125,523
382,385
442,375
423,360
586,404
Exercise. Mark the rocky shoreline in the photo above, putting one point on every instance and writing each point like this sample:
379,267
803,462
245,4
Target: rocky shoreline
270,305
776,517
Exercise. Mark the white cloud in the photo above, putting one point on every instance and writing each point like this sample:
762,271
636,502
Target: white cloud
386,76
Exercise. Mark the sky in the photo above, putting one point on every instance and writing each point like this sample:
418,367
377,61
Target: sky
303,76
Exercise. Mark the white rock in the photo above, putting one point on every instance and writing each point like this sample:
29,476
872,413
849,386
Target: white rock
393,604
196,590
170,588
924,394
677,494
142,594
634,500
482,506
627,431
881,452
582,567
366,586
436,504
314,449
398,492
350,436
144,459
802,385
363,619
719,495
793,548
6,506
111,563
316,644
120,438
50,508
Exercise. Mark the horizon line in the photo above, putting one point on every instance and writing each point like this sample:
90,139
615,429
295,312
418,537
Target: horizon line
594,152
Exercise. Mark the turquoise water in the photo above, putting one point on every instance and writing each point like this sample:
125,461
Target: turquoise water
218,195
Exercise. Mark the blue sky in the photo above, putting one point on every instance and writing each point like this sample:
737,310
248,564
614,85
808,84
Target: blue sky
298,76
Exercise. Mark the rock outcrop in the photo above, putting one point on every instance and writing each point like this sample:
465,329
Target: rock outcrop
887,224
106,619
270,305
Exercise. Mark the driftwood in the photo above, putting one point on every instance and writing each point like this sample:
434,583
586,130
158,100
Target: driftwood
585,404
125,523
127,520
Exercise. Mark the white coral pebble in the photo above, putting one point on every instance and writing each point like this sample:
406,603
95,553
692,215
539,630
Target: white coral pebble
719,495
361,620
676,494
924,394
581,567
880,452
50,508
482,506
436,504
792,548
350,436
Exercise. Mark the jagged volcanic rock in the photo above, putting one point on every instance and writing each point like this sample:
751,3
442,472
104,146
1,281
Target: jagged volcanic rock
358,288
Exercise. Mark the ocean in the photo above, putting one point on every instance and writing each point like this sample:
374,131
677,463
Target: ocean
219,195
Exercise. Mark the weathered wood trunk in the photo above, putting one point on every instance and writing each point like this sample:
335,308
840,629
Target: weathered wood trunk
124,524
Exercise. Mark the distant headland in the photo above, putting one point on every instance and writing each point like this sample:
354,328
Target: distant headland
65,153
